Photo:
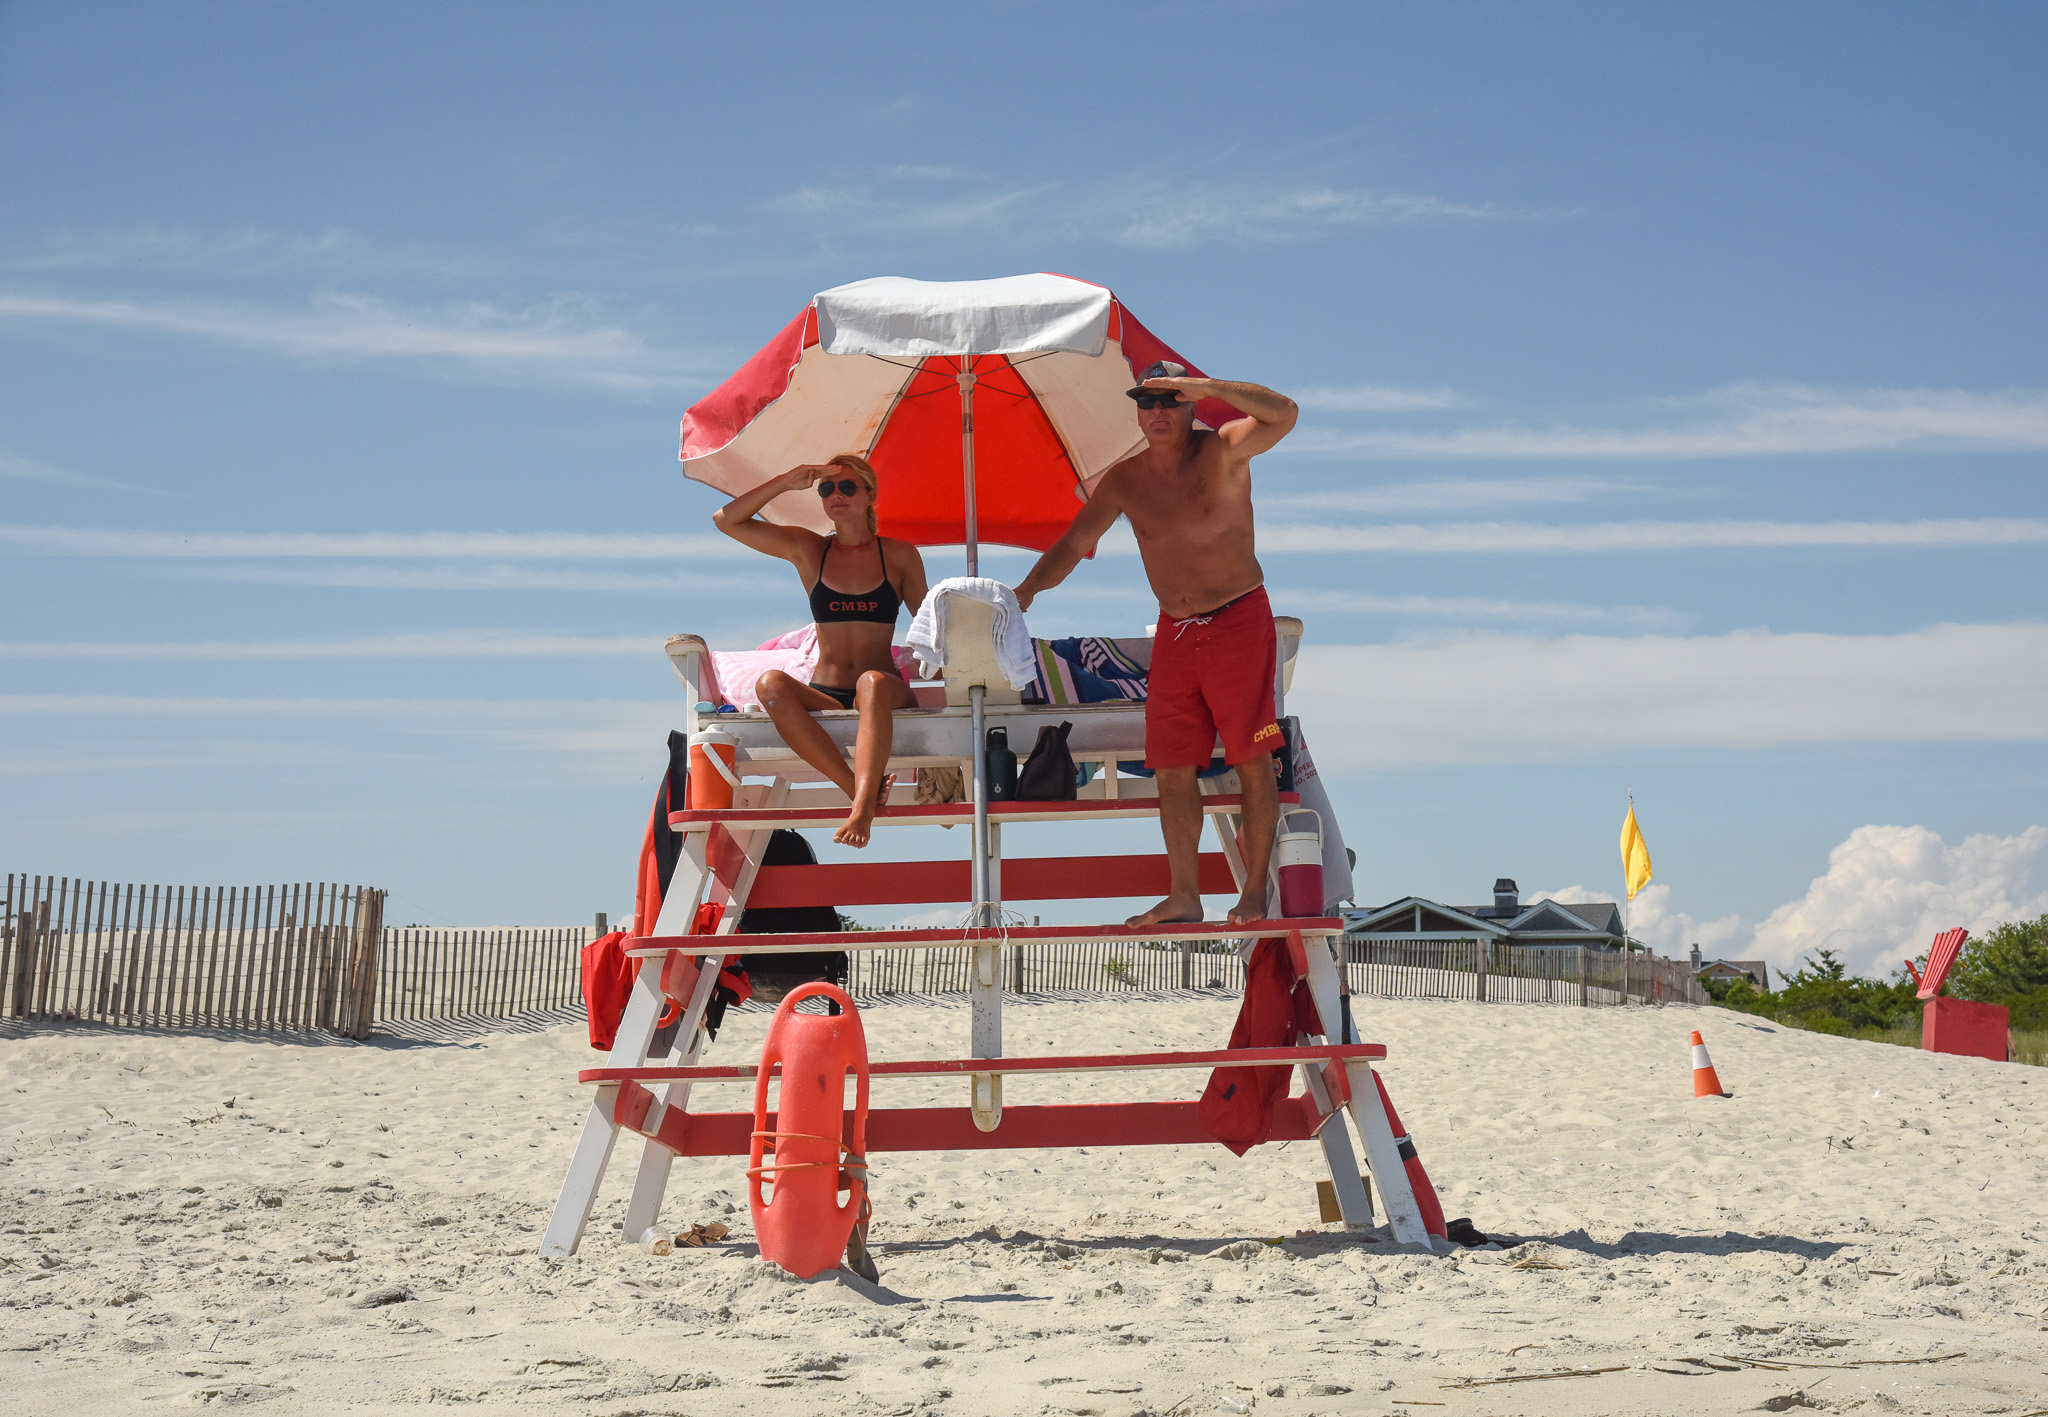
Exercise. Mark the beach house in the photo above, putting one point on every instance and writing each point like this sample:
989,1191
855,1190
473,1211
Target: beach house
1754,970
1540,924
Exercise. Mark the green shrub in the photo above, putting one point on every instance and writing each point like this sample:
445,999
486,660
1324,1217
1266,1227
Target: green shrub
2009,962
2029,1011
1823,996
2008,966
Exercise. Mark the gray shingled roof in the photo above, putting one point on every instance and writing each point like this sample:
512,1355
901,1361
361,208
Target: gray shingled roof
1602,916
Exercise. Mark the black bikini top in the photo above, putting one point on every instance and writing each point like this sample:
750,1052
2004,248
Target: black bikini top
829,606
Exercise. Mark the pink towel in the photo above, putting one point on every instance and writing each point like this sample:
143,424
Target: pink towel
735,672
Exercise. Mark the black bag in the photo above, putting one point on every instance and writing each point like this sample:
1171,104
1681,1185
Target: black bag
1049,775
775,975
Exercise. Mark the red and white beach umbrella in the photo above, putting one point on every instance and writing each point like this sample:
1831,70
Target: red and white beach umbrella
988,407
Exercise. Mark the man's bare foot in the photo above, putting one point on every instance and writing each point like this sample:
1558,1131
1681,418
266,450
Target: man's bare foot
859,823
1249,907
1174,910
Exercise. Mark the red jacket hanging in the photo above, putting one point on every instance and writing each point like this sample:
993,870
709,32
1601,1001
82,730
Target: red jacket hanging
1237,1105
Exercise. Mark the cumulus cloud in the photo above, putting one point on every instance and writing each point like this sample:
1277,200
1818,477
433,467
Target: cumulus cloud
1889,890
1655,920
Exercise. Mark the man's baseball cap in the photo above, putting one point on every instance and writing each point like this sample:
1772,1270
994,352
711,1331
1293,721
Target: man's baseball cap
1157,369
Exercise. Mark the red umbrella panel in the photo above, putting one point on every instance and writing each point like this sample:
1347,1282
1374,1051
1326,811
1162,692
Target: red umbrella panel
1009,394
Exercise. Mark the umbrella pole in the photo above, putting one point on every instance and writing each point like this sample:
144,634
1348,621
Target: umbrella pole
984,911
966,378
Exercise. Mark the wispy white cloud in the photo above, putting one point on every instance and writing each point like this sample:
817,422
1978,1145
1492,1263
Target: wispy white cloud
1376,398
435,644
1460,607
1275,538
378,545
878,207
29,468
373,576
35,471
1498,697
240,249
1144,208
1449,494
1748,420
608,737
556,343
1508,538
1177,214
144,706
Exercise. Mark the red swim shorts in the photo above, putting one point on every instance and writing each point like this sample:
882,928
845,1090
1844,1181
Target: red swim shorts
1212,675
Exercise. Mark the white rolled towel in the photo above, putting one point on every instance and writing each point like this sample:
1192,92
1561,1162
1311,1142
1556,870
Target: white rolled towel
927,637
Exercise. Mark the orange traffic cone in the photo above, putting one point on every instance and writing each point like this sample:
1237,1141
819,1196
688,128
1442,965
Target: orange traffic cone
1705,1081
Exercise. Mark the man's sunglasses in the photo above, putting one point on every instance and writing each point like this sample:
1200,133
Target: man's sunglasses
845,487
1149,401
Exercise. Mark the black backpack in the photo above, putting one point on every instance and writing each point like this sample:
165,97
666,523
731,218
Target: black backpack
1049,774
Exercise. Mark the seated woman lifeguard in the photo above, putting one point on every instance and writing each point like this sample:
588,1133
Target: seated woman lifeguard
857,581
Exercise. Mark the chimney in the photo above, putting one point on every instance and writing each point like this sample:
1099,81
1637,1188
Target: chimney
1507,899
1695,959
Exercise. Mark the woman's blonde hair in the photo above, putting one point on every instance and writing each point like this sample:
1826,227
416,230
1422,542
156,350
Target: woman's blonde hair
864,473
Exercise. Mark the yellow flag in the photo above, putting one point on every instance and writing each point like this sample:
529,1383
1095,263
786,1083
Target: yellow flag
1635,857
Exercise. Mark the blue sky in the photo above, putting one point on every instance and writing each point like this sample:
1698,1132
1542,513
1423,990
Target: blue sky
1675,416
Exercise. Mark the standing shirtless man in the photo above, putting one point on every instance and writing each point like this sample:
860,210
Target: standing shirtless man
1189,497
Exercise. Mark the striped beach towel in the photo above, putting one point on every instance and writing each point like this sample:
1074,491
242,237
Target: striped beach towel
1087,669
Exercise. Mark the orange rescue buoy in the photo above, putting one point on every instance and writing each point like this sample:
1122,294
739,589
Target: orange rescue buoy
802,1225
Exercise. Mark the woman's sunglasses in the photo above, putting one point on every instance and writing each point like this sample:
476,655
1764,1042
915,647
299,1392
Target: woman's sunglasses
845,487
1157,400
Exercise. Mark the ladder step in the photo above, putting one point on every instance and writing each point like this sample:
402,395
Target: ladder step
848,883
925,814
1103,1124
1105,1062
651,946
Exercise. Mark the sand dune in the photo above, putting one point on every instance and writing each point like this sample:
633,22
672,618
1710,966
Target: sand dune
328,1227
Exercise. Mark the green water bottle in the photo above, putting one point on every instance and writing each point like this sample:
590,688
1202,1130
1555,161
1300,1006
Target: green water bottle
1000,766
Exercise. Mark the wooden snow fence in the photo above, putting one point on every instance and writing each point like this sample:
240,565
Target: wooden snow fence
313,956
1385,968
457,973
300,956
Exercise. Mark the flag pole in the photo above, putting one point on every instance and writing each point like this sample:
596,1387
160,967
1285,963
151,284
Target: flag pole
1624,881
1626,896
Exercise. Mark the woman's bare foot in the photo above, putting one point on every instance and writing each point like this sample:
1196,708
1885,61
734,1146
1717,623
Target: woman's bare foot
1174,910
860,820
1250,906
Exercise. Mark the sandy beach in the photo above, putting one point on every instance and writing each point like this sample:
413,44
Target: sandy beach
321,1227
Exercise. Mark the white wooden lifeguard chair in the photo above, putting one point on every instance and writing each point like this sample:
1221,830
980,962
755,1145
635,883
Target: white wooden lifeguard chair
720,864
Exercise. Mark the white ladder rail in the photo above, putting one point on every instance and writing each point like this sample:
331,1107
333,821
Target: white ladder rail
650,1180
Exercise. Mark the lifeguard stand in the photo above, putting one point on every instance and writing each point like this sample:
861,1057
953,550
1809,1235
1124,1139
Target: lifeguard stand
720,866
